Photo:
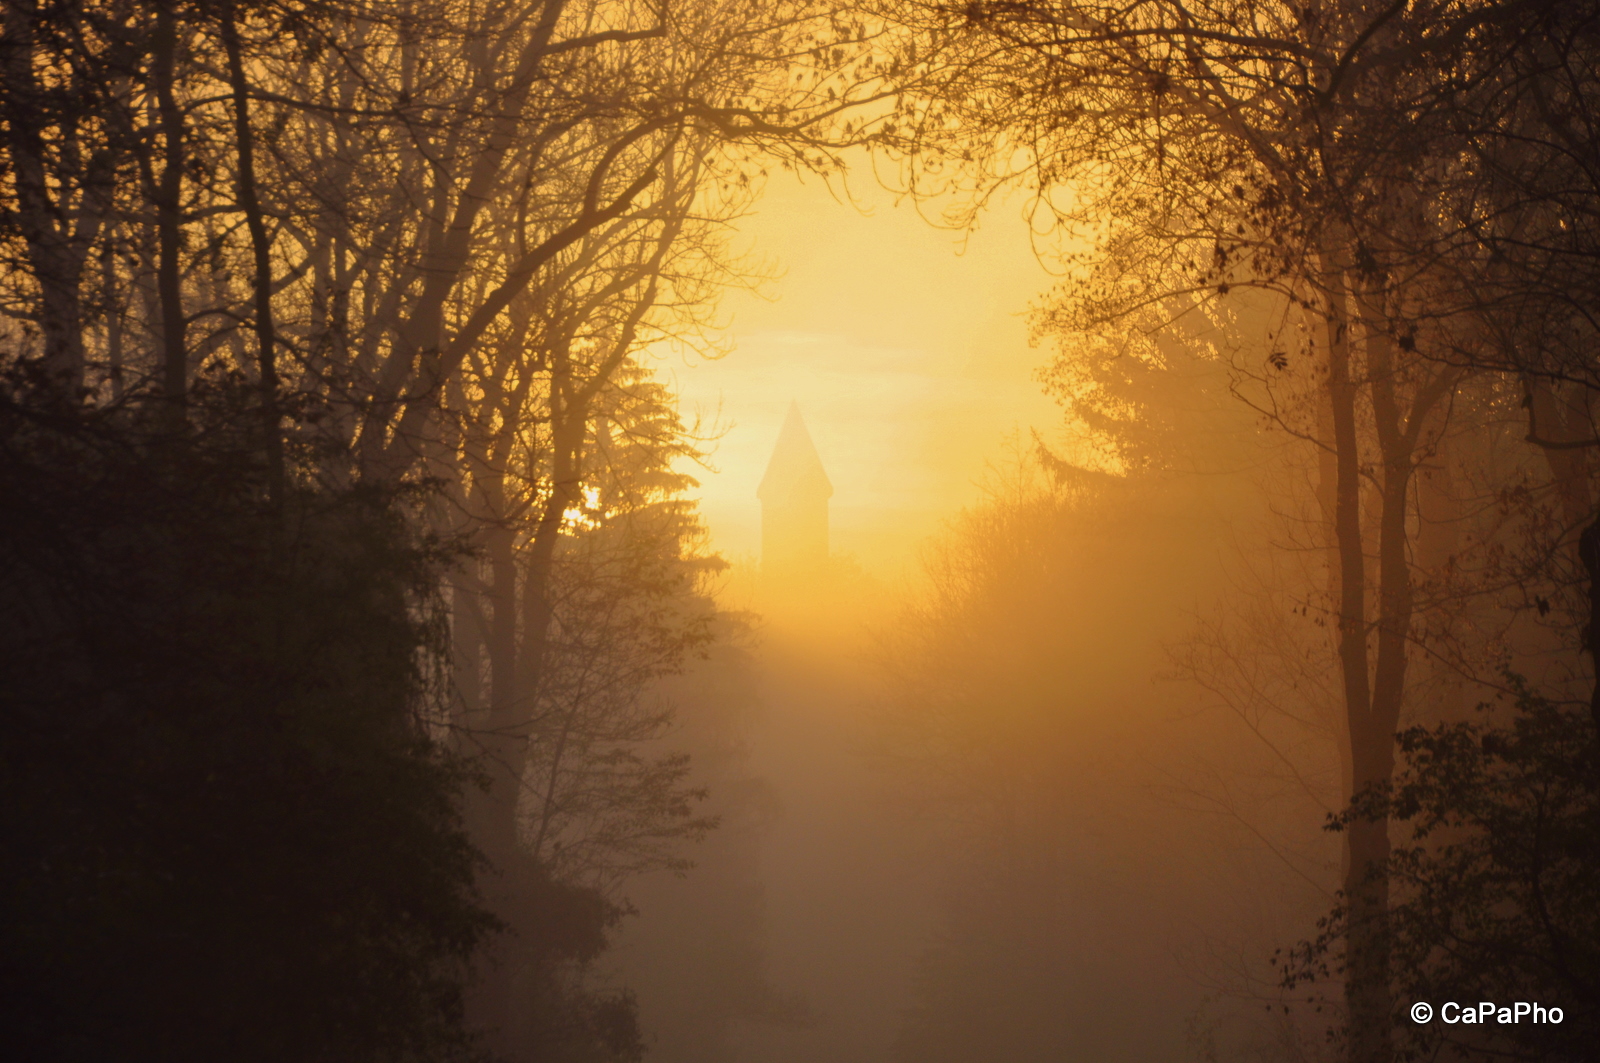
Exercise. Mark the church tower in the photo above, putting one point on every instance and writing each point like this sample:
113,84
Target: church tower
794,500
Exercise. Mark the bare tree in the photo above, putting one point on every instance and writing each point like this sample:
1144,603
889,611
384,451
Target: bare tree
1299,150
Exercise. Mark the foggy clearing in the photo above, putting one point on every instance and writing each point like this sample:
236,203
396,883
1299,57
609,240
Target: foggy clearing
732,531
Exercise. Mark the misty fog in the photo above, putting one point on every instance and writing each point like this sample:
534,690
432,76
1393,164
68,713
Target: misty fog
799,531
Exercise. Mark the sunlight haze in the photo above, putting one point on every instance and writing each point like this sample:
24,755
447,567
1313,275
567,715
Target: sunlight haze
905,345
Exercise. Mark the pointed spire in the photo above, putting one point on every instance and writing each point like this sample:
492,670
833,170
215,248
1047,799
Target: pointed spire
794,501
794,472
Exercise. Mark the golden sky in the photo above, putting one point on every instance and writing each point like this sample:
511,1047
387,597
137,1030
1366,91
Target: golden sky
905,346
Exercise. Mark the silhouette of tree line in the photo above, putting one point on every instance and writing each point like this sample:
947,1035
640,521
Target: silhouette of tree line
344,531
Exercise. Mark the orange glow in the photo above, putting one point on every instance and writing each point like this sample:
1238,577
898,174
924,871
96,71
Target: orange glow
905,346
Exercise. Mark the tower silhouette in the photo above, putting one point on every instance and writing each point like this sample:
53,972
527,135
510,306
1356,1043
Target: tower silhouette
794,497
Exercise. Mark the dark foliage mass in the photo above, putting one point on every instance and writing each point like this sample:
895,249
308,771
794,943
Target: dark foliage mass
229,832
550,927
290,295
1495,893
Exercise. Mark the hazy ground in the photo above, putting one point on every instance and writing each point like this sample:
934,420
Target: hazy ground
908,395
849,891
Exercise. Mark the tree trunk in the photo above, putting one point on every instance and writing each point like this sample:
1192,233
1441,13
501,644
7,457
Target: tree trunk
498,735
169,218
1589,550
1438,540
56,258
261,253
1367,1000
1560,429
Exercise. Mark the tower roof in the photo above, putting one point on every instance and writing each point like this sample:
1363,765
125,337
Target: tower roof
794,471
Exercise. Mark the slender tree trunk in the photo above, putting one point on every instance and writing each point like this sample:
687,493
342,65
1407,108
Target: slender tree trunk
504,724
466,643
1328,471
169,217
114,322
1366,981
55,258
1374,706
565,486
499,737
1438,540
261,254
1557,423
1589,551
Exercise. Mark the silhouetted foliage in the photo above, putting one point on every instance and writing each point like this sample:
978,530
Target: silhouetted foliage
555,928
230,828
451,229
1497,890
